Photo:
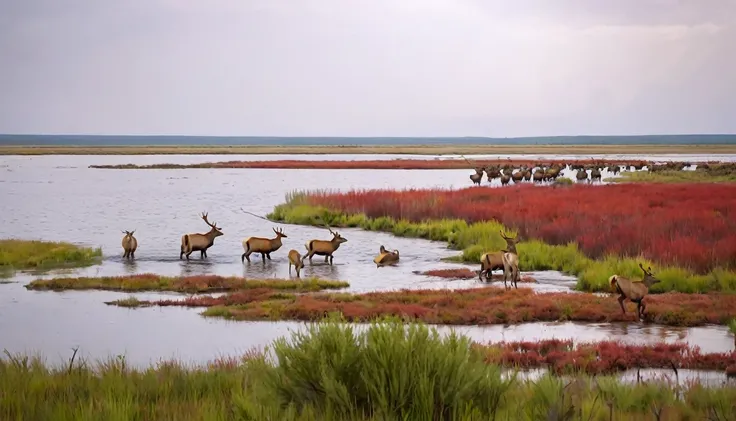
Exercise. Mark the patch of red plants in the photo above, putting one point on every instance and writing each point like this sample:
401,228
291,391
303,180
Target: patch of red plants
476,306
602,357
385,164
465,273
689,225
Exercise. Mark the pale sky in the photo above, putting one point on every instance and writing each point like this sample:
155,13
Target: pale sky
368,67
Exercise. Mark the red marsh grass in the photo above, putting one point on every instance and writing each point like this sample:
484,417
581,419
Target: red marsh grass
188,284
393,164
605,357
477,306
685,225
465,273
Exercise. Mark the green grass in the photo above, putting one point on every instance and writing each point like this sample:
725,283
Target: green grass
27,254
389,371
672,176
478,238
188,284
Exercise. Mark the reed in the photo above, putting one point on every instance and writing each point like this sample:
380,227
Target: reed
388,371
672,176
33,254
188,284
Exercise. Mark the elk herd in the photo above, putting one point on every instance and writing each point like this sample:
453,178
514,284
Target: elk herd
506,259
541,172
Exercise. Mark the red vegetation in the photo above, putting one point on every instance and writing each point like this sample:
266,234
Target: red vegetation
602,357
465,273
477,306
688,225
385,164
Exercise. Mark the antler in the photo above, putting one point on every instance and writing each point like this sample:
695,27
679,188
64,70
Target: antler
204,217
278,230
648,272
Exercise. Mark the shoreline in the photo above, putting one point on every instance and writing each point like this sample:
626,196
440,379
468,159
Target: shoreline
418,149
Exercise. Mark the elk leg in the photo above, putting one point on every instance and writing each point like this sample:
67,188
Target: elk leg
189,254
621,303
327,257
268,255
205,253
290,269
132,255
330,260
242,258
643,307
263,257
638,310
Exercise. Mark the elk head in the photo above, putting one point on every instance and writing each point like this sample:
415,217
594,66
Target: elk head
215,231
336,237
648,279
279,233
510,243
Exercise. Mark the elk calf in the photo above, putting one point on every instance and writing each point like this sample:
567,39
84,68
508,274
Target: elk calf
130,244
323,247
295,259
200,242
635,291
265,246
386,257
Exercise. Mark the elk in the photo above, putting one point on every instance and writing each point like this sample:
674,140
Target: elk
323,247
265,246
510,260
635,291
295,259
494,260
200,242
476,178
518,176
505,179
582,175
129,244
595,174
386,257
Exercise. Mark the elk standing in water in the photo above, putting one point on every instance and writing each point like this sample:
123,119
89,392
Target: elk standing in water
510,260
323,247
635,291
386,257
595,174
494,260
295,259
129,244
200,242
262,245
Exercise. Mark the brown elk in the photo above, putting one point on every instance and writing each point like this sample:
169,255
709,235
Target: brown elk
295,259
130,244
527,174
505,179
386,257
265,246
476,178
595,174
582,175
200,242
323,247
538,175
635,291
494,260
510,260
518,176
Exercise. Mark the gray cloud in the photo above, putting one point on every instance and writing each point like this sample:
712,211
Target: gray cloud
368,68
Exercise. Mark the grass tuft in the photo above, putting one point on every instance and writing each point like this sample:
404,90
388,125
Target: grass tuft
32,254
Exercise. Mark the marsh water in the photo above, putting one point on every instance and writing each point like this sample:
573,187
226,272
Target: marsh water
59,198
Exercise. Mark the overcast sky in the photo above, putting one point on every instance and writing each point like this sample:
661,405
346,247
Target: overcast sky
368,67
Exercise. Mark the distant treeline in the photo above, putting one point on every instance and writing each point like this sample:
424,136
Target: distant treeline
120,140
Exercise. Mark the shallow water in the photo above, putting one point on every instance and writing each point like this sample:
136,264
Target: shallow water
59,198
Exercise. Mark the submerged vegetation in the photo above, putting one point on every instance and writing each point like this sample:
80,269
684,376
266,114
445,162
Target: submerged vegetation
189,284
31,254
590,232
332,372
475,306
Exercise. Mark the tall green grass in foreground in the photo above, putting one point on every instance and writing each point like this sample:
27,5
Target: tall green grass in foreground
673,176
390,371
25,254
477,238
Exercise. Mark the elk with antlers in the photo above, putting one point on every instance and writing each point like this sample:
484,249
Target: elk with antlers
129,244
494,260
635,291
324,247
295,259
510,259
265,246
386,257
200,242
